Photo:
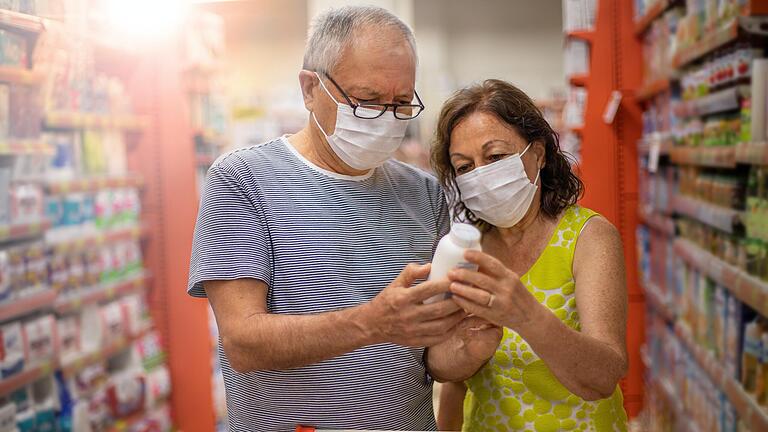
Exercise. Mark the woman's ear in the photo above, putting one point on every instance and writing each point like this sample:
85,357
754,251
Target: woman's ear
308,81
540,150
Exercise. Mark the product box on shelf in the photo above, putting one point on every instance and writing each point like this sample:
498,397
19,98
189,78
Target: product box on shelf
126,392
12,358
70,346
113,321
39,340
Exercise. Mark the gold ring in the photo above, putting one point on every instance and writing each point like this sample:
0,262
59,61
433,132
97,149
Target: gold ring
490,301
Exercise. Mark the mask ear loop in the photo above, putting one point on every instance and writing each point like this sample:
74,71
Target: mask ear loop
329,95
538,172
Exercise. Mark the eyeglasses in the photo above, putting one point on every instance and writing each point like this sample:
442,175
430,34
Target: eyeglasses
370,111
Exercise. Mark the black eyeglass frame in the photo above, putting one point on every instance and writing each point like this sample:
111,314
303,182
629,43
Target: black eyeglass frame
384,107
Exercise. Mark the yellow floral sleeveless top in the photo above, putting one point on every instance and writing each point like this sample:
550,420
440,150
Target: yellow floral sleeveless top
516,391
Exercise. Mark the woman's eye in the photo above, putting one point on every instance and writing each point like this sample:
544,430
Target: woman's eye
496,157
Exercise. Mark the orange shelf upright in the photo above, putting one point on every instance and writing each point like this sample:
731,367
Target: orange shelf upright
165,158
609,161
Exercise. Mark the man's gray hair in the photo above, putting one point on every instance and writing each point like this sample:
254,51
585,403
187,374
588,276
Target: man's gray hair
335,29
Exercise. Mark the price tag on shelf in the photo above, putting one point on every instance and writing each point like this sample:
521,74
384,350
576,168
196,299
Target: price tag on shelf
653,156
612,107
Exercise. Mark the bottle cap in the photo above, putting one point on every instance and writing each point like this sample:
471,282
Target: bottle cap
465,235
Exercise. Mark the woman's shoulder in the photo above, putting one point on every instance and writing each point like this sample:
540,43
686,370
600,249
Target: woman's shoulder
597,234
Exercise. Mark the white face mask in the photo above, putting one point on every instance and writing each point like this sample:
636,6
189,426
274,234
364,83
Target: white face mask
499,193
363,144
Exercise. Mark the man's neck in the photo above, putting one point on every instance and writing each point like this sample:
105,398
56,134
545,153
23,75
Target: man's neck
311,144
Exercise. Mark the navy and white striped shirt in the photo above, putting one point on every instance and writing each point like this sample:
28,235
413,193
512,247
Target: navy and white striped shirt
320,241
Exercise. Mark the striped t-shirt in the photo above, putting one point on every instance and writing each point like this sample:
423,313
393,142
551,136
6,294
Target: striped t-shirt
321,241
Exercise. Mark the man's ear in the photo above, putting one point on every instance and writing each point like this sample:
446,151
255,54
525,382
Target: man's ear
308,81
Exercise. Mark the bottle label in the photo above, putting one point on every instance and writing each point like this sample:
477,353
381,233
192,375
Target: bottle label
467,266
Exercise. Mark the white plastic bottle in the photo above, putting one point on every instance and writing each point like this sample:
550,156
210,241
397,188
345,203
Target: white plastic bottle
450,254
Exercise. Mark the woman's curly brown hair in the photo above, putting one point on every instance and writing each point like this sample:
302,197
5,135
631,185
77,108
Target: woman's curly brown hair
560,187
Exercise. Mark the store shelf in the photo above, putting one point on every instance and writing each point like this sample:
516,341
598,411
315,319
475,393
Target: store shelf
722,218
24,147
745,287
585,35
721,101
654,297
665,146
653,13
100,294
20,75
72,367
97,239
132,421
22,22
76,120
657,221
714,157
92,184
653,89
23,379
709,43
750,412
752,153
683,420
17,232
579,80
25,306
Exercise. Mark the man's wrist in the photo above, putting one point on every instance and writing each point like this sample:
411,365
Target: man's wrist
358,320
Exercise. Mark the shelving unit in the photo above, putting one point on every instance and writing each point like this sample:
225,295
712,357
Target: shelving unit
24,147
77,120
101,294
23,379
671,249
653,89
710,157
21,22
34,303
115,347
722,218
752,153
652,14
16,232
57,187
68,244
609,153
745,287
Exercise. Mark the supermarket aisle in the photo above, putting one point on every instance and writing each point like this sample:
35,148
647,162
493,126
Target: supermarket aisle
702,238
112,113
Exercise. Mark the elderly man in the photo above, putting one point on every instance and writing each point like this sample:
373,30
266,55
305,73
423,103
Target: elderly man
303,246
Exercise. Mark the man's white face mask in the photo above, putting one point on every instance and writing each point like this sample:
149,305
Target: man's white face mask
361,143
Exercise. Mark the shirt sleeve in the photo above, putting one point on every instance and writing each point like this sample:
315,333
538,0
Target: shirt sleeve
443,220
231,239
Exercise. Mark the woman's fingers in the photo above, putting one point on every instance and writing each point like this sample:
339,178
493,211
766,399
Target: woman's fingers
470,306
488,264
470,277
476,295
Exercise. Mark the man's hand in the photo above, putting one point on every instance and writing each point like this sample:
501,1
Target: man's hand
398,314
478,338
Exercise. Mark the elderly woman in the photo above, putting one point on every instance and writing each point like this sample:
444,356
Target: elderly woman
551,273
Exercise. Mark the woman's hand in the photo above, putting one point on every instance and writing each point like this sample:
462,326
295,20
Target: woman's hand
494,292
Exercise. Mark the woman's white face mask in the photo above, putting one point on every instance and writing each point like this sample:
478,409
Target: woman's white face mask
499,193
363,144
